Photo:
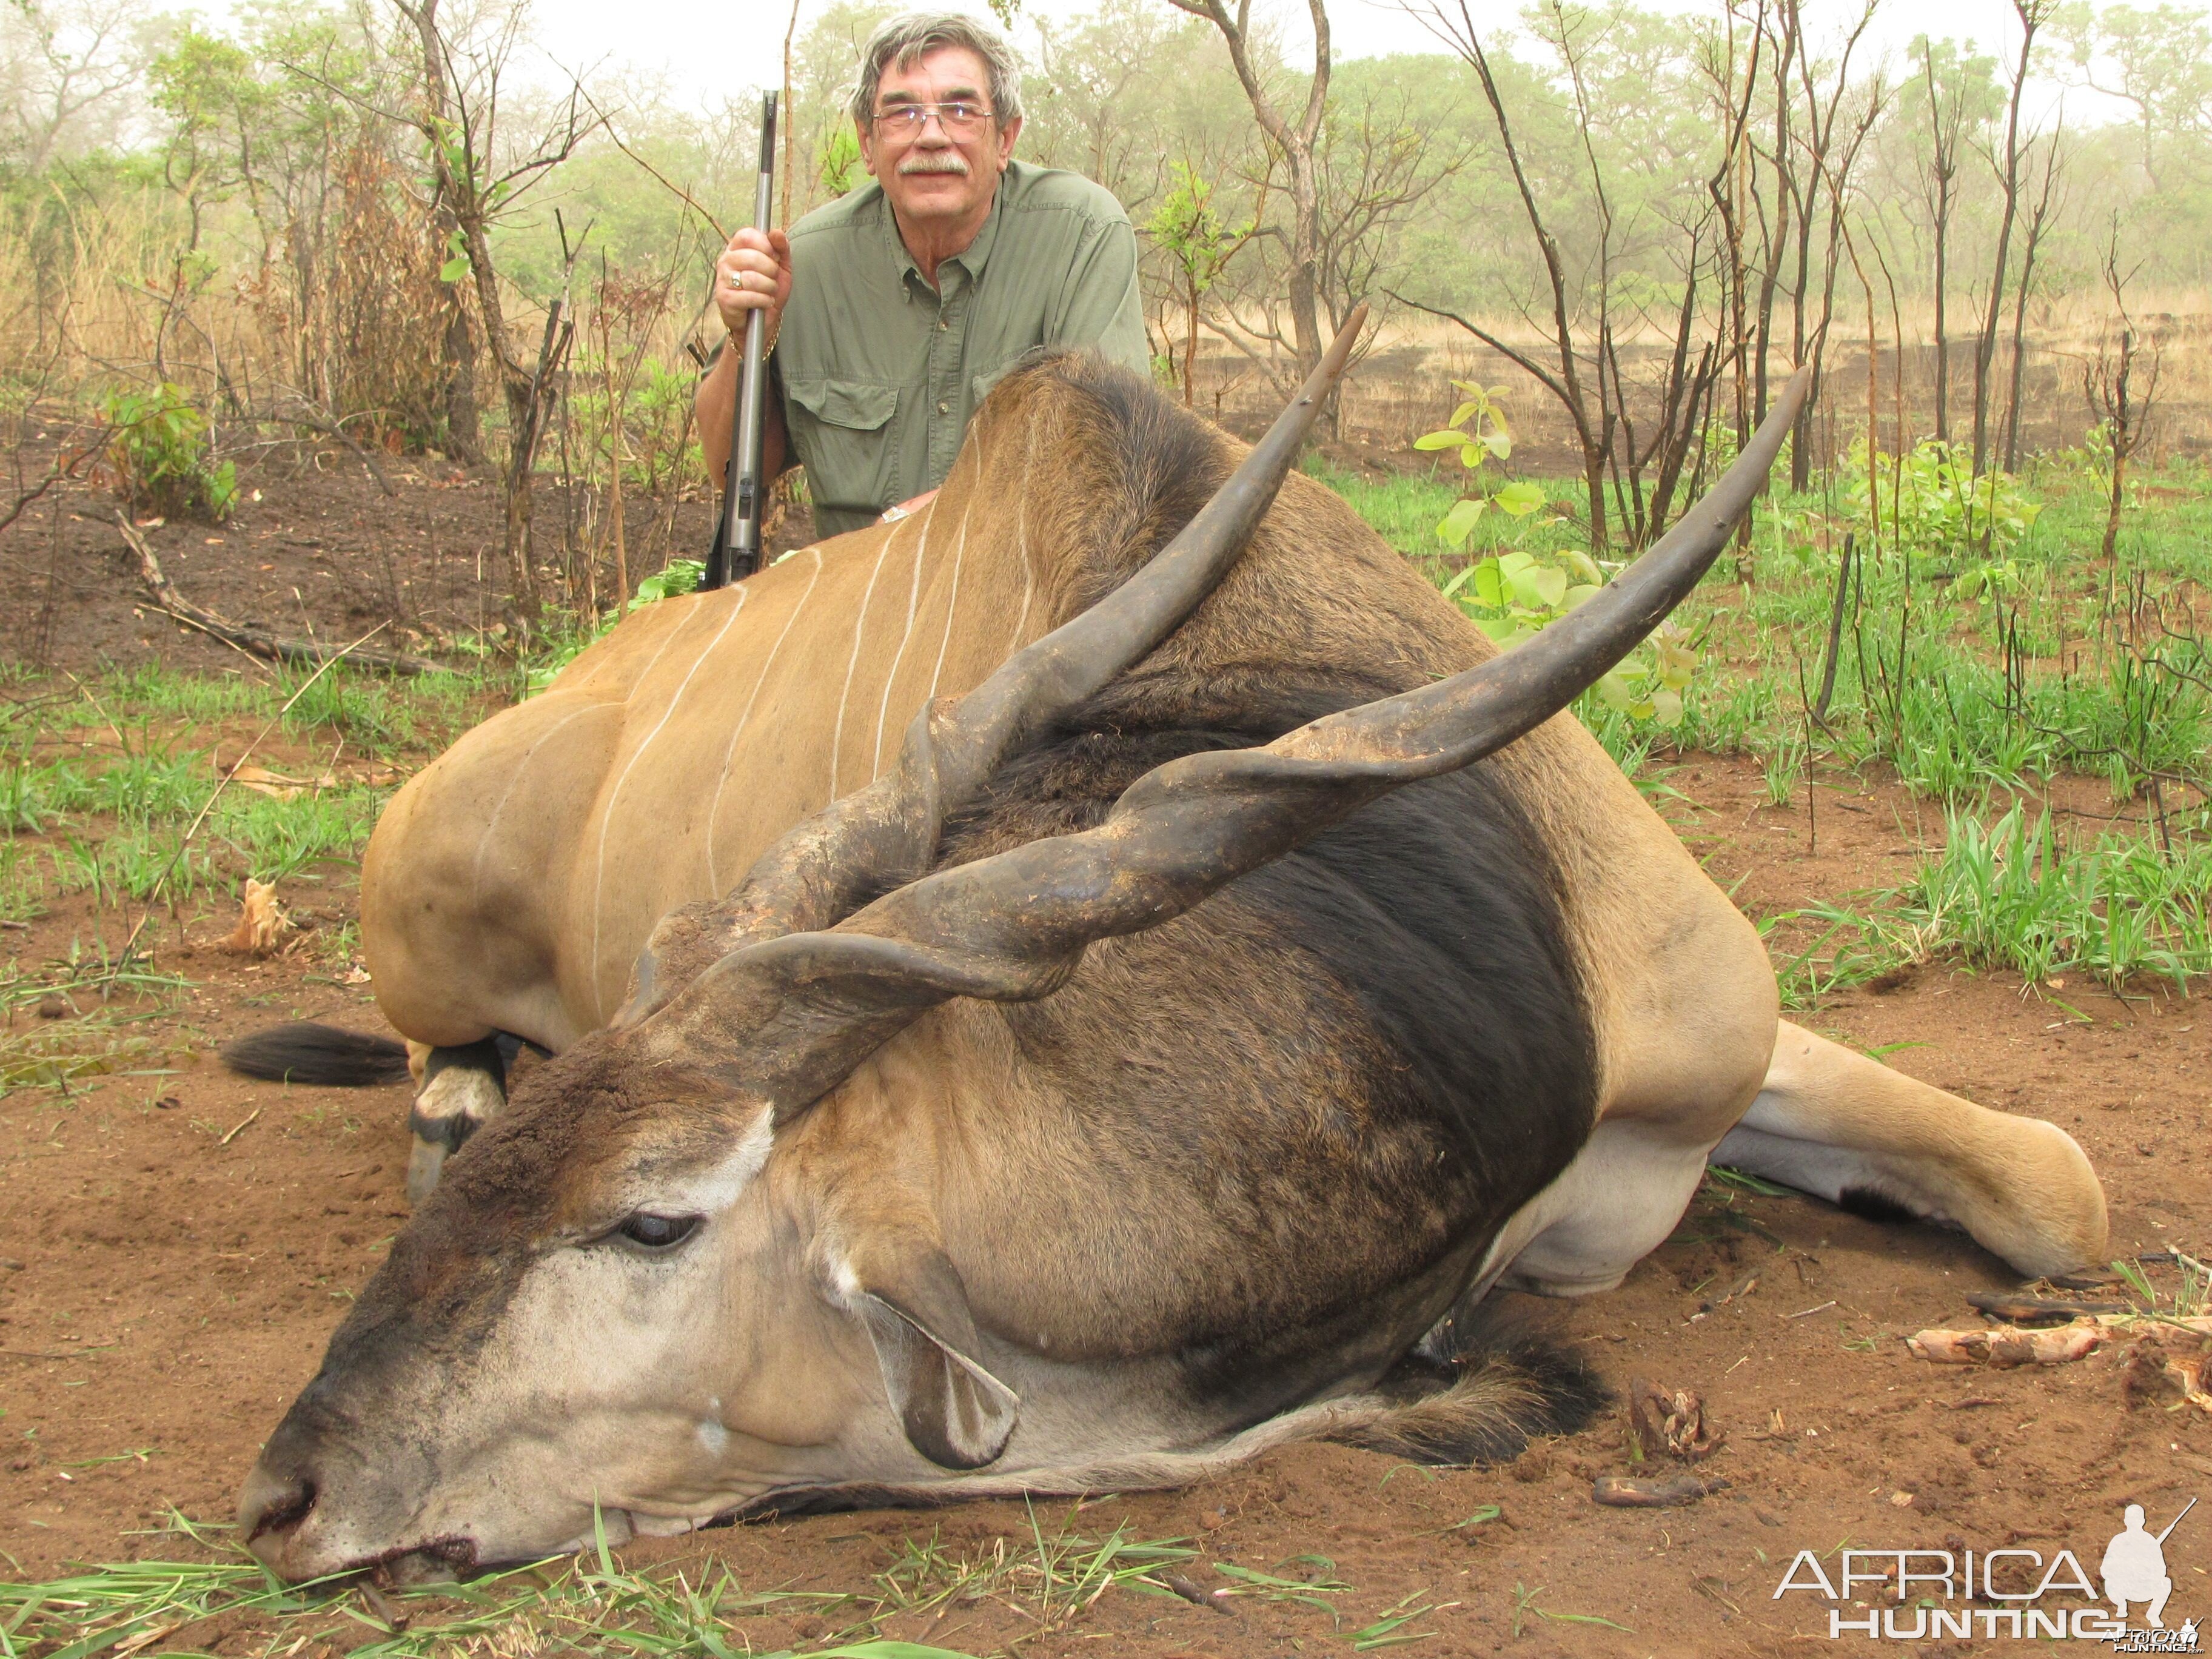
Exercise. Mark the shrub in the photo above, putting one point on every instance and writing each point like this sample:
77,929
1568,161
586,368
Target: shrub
1933,504
162,456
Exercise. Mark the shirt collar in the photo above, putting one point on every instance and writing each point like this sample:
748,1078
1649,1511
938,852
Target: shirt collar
970,259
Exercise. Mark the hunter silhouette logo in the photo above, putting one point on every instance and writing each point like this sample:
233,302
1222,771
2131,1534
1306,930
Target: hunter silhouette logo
2134,1568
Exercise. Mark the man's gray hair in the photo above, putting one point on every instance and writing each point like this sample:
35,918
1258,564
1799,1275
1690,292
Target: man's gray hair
904,39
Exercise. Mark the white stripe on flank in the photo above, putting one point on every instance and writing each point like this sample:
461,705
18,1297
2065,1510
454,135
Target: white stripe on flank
607,814
960,553
722,778
913,592
483,842
1022,542
837,731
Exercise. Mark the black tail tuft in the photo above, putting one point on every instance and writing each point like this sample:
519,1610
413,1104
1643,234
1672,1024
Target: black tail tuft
307,1052
1476,1391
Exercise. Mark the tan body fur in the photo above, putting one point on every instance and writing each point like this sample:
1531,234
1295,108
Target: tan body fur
513,883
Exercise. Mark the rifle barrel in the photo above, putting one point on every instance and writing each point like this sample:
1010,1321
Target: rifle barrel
737,549
2177,1520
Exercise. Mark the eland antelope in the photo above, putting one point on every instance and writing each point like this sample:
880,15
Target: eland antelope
1060,994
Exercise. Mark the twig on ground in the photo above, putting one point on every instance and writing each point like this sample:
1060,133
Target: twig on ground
1625,1492
258,641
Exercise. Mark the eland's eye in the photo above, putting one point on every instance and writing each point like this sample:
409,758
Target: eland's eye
659,1232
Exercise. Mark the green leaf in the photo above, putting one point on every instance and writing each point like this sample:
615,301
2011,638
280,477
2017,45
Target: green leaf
1581,593
1254,1576
1458,525
1490,585
1539,587
1582,565
1460,415
1453,586
1584,1618
1380,1633
454,269
1499,442
887,1650
1520,498
1504,629
1445,439
1677,663
1614,691
1666,706
680,576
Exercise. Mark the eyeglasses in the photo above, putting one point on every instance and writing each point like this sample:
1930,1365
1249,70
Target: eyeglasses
958,118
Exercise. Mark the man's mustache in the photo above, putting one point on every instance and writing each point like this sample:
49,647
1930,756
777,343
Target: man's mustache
934,161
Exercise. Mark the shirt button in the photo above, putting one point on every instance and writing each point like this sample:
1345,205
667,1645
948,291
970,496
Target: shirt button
944,409
944,322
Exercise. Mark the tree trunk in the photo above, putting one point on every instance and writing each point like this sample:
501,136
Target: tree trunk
1985,349
1296,145
2019,350
2119,493
2038,222
464,438
1944,169
1190,343
1785,203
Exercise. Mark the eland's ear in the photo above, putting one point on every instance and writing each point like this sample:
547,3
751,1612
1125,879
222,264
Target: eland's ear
910,1298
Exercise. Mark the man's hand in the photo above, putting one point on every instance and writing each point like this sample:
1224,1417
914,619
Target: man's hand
753,274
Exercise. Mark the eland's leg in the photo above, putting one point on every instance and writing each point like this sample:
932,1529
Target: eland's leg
1846,1128
460,1090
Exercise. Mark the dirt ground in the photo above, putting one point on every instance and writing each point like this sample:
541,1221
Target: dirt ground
314,549
176,1247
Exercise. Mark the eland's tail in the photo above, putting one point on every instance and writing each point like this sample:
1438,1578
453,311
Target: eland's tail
307,1052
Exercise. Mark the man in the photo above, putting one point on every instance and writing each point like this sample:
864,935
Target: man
895,309
2134,1568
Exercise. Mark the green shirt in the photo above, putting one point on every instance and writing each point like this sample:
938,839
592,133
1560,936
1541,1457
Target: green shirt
878,372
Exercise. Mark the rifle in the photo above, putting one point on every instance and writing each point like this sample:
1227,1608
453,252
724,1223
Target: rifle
2176,1522
736,552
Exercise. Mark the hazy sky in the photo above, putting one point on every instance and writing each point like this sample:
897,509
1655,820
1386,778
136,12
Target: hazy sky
700,50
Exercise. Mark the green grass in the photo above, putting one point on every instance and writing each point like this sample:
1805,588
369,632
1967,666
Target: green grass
2190,1298
153,801
1405,508
22,882
1978,680
1961,695
140,819
93,1038
374,713
1051,1577
2012,893
54,1055
117,824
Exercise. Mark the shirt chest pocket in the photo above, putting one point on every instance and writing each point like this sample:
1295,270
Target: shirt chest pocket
845,435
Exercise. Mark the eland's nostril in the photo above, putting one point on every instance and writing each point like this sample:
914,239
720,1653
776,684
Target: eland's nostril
274,1504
